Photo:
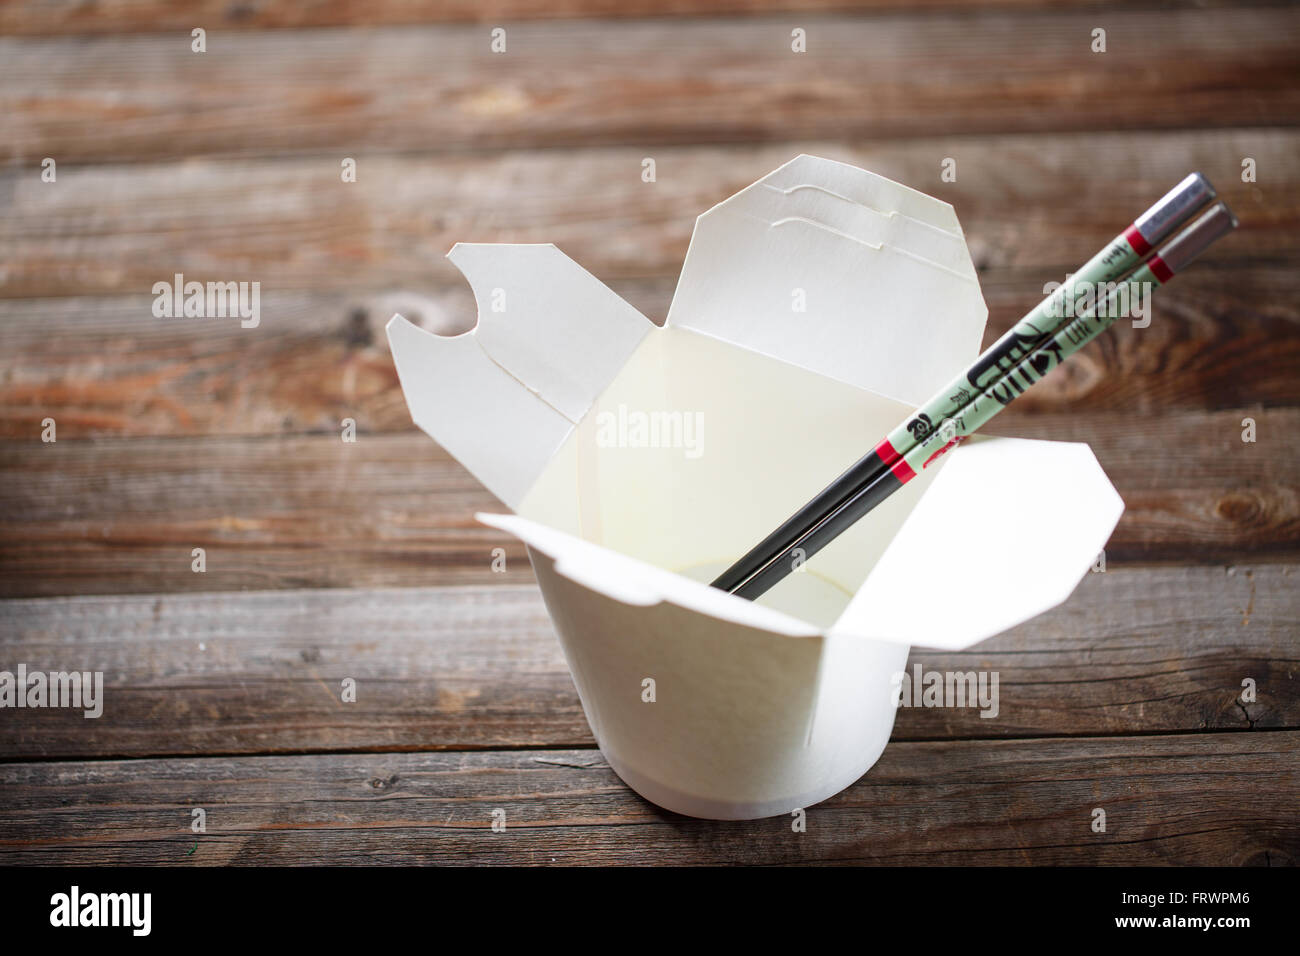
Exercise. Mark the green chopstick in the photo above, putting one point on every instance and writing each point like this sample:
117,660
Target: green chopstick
1115,260
1067,340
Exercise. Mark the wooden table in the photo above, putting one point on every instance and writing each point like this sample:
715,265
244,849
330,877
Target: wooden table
328,560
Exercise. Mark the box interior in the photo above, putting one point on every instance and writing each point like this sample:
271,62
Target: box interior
699,448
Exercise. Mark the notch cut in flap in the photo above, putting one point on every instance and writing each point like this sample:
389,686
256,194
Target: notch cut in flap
502,397
840,271
1004,533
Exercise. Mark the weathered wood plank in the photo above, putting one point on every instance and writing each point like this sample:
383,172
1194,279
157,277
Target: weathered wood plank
1193,490
436,668
1222,336
1041,203
1210,799
122,515
307,511
644,82
104,367
44,17
1147,650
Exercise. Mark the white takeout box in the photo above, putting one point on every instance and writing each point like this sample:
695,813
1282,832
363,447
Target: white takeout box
815,310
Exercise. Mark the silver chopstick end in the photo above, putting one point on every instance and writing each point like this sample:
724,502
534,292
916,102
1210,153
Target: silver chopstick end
1209,227
1174,207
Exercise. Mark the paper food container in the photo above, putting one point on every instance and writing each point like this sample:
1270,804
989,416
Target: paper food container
815,310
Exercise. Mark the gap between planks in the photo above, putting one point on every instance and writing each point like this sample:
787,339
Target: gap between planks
1143,651
1167,801
105,367
1043,202
646,82
41,18
123,515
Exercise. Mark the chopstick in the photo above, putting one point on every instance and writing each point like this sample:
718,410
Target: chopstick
1116,259
1158,270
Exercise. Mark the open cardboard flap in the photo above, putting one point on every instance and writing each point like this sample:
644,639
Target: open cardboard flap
631,581
827,269
1005,532
954,575
839,271
502,397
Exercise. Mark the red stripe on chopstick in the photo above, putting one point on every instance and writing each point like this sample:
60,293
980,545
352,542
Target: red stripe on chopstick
1139,244
886,452
902,470
950,444
1159,269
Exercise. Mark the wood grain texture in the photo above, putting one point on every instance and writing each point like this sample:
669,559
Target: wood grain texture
222,687
644,82
122,515
1222,799
1193,490
42,17
1222,336
304,511
1039,203
1149,650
